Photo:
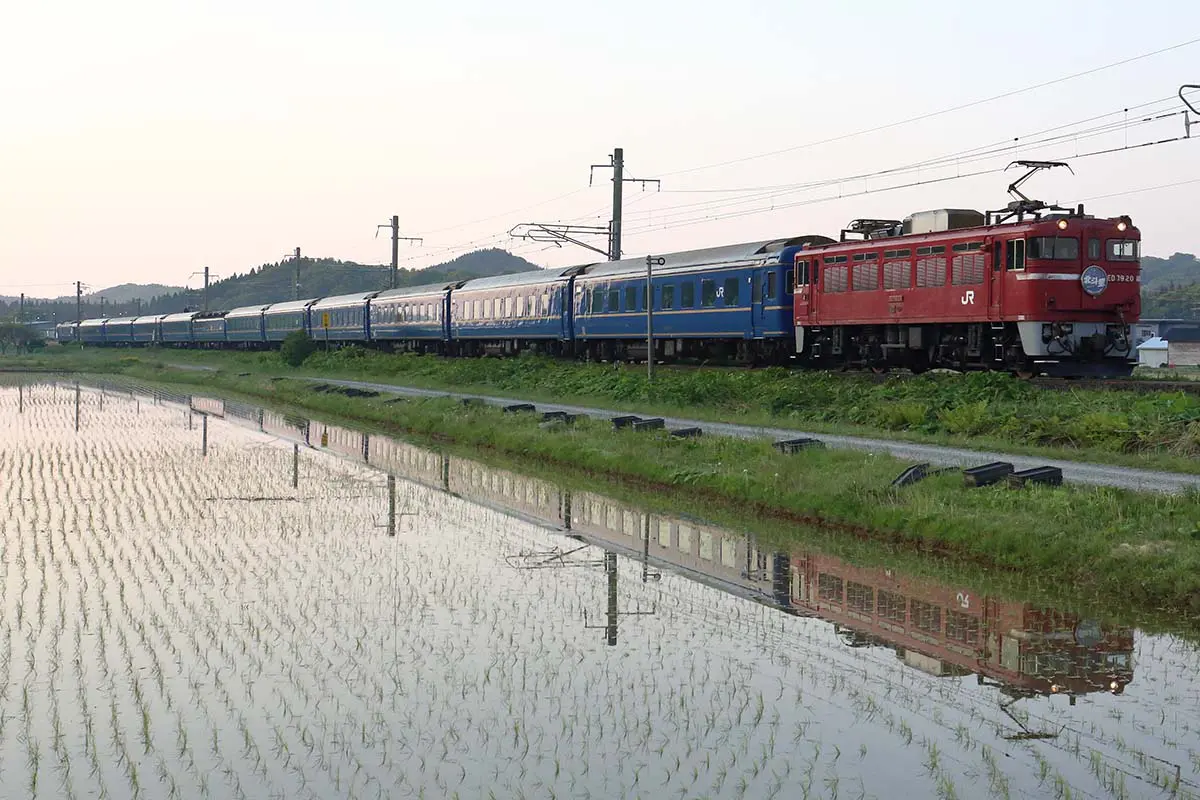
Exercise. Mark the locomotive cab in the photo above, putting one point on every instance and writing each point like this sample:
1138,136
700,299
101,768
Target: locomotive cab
1074,290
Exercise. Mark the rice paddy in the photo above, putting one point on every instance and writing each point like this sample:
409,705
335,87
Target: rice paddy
203,599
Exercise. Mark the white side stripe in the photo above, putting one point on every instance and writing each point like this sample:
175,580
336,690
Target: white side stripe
1047,276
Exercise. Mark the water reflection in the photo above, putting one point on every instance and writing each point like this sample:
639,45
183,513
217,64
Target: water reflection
942,629
404,596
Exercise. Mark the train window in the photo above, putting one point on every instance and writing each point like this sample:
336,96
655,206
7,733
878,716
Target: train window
545,305
1123,249
924,251
1057,248
614,300
1093,249
1014,254
941,248
687,295
801,276
668,297
866,256
961,247
731,291
597,301
708,293
769,292
644,296
631,298
789,280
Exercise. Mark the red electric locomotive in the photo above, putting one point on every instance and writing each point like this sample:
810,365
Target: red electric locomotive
1032,289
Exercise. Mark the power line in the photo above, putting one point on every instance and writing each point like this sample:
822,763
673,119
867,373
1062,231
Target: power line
980,154
928,182
1143,189
933,114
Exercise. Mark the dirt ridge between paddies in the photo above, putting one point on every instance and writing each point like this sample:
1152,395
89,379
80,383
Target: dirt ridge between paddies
1144,547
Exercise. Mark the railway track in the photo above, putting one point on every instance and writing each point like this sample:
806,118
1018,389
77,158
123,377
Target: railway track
1045,382
1118,384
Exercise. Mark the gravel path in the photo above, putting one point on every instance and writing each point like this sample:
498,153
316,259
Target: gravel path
1073,471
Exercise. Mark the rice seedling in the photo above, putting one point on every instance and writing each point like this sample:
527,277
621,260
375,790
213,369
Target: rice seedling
284,647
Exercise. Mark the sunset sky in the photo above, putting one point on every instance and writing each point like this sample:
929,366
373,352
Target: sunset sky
141,141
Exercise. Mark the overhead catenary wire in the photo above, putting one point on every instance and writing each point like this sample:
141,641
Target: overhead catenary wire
686,214
913,184
939,113
1019,144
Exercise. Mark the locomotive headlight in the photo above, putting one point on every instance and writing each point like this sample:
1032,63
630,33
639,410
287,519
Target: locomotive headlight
1062,224
1121,226
1114,686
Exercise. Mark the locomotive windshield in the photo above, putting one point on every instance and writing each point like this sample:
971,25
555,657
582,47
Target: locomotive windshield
1057,248
1123,249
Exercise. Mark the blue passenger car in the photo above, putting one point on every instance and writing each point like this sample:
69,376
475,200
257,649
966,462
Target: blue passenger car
507,313
209,328
280,319
146,329
414,317
91,331
245,325
118,331
177,328
343,318
733,300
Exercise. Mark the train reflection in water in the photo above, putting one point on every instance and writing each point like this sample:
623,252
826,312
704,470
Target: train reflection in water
937,627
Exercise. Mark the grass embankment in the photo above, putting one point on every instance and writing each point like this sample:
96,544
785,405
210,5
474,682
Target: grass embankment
1143,549
981,411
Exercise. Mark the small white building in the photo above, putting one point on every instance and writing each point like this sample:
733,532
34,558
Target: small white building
1153,352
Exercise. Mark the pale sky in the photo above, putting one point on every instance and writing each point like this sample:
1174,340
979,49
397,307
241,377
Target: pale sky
141,141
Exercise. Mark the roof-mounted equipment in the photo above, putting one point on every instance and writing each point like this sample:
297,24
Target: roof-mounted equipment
1023,205
872,228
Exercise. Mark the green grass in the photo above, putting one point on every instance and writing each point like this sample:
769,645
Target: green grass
1141,548
1154,430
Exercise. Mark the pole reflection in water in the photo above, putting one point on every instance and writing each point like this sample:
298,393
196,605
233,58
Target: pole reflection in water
934,627
76,406
391,489
204,434
21,395
295,466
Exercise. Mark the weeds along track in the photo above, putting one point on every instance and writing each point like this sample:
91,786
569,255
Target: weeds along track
187,625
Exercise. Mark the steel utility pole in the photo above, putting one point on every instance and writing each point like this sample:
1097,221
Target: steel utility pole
101,305
138,300
21,313
297,288
557,234
617,164
206,288
650,262
79,301
396,237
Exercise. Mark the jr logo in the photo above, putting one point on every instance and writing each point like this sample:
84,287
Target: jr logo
968,297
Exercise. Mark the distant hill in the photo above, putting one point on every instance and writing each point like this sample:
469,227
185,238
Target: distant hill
1171,287
129,292
271,283
324,277
1180,269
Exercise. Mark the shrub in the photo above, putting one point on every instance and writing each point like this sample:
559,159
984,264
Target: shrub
296,348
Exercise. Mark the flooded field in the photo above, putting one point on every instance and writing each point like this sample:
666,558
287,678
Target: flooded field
206,599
